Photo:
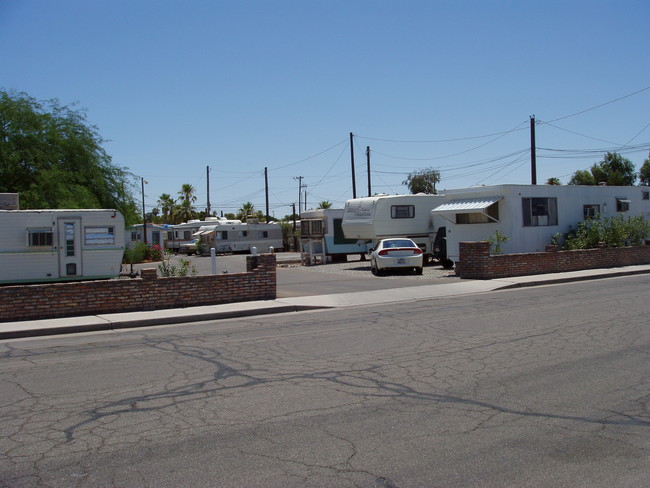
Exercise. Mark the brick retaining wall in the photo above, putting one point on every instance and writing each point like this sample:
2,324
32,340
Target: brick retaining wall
33,302
477,263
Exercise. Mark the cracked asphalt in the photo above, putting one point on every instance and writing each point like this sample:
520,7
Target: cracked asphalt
545,386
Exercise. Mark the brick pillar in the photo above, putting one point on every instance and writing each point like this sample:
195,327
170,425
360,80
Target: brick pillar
149,274
474,258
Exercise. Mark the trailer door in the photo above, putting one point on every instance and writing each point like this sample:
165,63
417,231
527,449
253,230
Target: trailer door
70,261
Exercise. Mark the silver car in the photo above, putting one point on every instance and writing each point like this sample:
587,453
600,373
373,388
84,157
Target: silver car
396,253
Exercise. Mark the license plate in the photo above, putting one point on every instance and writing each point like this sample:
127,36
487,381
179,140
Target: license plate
401,261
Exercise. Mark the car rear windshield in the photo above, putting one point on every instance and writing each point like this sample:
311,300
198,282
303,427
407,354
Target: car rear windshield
400,243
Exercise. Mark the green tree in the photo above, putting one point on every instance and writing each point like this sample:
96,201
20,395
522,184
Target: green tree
167,207
613,170
54,158
184,209
325,204
644,173
553,181
247,209
423,181
582,177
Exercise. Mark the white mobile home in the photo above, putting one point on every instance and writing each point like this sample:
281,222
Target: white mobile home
60,245
321,235
231,236
529,215
383,216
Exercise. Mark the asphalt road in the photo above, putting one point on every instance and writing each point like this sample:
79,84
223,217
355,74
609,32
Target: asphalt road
539,387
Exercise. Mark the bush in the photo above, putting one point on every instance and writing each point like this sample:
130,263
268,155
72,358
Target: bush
495,242
611,232
167,269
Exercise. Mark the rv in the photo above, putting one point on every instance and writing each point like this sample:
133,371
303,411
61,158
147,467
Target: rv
60,245
232,236
530,215
322,238
371,219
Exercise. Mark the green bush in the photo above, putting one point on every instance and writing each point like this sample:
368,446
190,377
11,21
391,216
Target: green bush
167,269
611,232
495,242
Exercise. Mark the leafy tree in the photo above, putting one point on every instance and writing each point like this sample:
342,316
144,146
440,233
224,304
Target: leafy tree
53,158
553,181
167,206
247,209
644,173
325,204
613,170
184,209
423,181
582,177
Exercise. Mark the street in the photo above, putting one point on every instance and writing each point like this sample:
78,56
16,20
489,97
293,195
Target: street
541,387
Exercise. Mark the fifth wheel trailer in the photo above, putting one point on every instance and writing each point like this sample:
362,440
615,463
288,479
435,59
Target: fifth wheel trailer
60,245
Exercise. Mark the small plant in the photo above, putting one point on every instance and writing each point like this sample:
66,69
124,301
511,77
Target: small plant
495,242
556,238
611,232
167,269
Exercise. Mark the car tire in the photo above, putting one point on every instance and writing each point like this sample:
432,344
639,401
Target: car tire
418,271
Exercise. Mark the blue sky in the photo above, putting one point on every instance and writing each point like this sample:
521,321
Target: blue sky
242,85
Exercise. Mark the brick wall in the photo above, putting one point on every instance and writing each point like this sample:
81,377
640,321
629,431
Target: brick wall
32,302
477,263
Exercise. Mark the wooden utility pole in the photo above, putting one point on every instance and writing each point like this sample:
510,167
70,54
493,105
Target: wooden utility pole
266,188
533,155
354,182
207,169
368,161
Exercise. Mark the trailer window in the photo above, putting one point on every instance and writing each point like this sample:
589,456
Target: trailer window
39,237
402,211
539,212
262,234
591,211
622,204
95,236
243,233
222,235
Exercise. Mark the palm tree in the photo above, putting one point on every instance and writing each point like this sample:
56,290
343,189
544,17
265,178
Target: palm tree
325,204
166,204
247,209
184,208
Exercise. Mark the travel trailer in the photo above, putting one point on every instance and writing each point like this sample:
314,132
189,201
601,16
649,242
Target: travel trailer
371,219
232,236
60,245
529,215
322,238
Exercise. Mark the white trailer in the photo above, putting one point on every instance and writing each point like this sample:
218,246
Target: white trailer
529,215
228,236
382,216
322,238
60,245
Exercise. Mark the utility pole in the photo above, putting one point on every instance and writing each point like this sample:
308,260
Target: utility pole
533,155
293,236
368,160
266,188
207,169
144,213
354,182
300,187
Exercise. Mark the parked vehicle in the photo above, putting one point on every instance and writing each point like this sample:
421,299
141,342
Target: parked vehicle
189,247
371,219
60,245
396,253
322,238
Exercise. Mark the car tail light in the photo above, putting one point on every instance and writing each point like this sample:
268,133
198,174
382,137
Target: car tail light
386,252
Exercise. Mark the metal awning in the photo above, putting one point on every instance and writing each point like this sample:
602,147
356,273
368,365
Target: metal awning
468,205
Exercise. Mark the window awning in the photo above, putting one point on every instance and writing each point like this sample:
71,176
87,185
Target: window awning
465,206
471,205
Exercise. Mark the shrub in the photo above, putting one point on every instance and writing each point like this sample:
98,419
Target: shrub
495,242
611,232
167,269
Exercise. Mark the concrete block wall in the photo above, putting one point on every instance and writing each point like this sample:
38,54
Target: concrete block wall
477,263
53,300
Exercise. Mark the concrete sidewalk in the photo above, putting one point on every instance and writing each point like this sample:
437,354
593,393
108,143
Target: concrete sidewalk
108,322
